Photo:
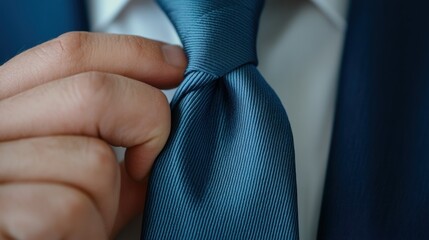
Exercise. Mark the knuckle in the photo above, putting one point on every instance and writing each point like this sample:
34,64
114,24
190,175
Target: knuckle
90,89
70,45
65,49
73,205
64,206
101,162
136,44
24,227
133,41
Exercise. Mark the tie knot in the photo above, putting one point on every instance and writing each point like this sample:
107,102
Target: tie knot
218,35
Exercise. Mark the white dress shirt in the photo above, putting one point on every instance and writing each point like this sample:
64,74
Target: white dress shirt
299,49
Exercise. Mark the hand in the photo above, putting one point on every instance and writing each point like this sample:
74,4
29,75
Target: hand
62,104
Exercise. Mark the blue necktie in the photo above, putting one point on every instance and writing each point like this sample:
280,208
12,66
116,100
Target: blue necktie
227,171
377,184
26,23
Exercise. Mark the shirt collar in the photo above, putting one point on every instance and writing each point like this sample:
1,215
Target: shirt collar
103,12
334,10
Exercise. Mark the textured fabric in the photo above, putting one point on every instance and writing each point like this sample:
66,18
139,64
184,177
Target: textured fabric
377,184
26,23
227,171
299,52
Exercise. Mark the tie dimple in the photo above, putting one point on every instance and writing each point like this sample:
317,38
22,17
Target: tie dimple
218,35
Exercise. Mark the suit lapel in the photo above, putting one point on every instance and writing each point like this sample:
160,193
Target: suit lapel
25,24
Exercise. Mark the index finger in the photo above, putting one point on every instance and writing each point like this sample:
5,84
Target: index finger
155,63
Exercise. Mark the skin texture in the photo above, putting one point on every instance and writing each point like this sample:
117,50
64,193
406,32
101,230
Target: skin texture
63,103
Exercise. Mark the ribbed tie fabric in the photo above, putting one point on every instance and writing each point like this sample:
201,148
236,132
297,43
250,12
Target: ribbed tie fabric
227,171
377,184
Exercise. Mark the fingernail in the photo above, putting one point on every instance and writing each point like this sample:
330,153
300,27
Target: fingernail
174,55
